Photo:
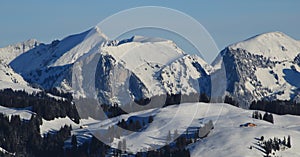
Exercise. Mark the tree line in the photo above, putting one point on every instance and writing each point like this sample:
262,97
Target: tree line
23,138
280,107
41,103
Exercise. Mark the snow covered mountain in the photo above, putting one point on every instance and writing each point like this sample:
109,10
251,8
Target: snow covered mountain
9,78
48,65
263,67
130,70
126,70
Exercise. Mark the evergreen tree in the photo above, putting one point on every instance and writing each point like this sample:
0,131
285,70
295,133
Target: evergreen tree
268,117
150,119
262,138
284,141
124,145
74,142
169,137
119,147
260,116
175,135
288,144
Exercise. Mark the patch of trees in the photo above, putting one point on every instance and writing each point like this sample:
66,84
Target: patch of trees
144,101
156,102
42,104
267,116
90,148
257,115
165,151
277,106
93,148
126,127
176,147
122,146
173,99
96,147
56,92
130,125
113,111
231,101
270,146
23,137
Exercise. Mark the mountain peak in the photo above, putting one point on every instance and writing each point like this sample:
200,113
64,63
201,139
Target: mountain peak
12,51
97,30
274,45
270,35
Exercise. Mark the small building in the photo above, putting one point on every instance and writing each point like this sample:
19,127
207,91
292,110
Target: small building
205,130
200,131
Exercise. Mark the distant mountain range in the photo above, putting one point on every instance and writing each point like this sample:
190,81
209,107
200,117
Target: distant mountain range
264,67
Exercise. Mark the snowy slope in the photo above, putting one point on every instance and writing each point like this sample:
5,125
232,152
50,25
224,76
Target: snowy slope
10,79
55,125
8,75
24,113
262,67
226,139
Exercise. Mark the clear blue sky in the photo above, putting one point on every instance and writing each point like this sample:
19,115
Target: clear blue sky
227,21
